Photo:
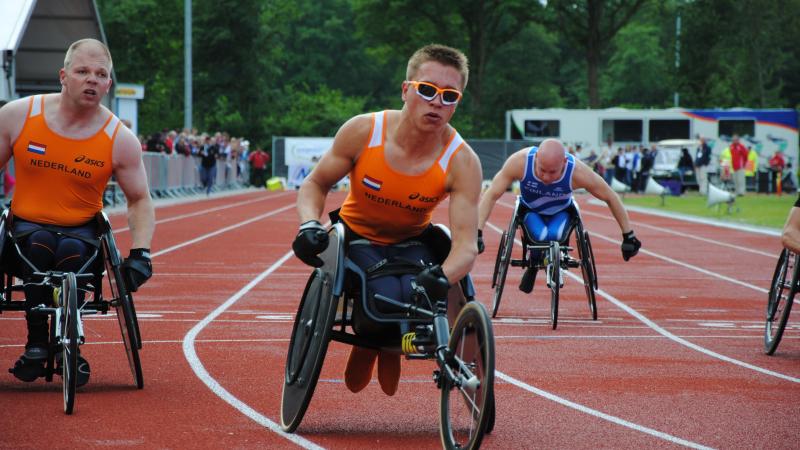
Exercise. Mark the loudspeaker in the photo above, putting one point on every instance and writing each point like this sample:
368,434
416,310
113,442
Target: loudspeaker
717,195
654,188
618,186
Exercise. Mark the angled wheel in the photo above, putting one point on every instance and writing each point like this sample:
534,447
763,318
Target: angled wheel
68,327
502,263
467,398
587,269
307,347
780,298
122,301
553,267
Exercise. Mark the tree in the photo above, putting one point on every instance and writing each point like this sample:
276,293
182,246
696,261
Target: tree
591,25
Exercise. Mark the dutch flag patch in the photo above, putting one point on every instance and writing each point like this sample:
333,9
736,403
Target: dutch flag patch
372,183
35,147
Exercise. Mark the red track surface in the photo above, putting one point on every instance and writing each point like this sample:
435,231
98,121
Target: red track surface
689,371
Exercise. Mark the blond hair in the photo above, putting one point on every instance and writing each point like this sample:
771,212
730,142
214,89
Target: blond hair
442,54
72,48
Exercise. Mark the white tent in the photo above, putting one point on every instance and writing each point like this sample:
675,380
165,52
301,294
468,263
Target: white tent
34,35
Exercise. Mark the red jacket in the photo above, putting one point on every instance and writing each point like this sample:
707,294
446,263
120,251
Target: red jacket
738,156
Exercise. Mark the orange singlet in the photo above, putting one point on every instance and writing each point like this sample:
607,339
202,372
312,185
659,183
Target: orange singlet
386,206
60,181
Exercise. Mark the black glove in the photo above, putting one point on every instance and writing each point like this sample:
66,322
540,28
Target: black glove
434,281
311,240
137,268
481,245
630,245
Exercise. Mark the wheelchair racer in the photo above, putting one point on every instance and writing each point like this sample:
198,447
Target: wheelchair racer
547,176
66,146
401,165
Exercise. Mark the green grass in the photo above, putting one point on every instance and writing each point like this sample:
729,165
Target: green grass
753,209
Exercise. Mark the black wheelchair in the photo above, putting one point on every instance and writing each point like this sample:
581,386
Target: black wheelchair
785,284
66,326
464,352
556,258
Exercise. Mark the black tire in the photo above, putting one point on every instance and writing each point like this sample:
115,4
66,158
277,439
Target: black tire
309,342
502,263
587,270
553,269
122,301
780,299
467,409
68,324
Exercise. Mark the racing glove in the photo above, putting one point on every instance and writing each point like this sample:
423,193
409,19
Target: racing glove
630,245
137,268
434,281
311,240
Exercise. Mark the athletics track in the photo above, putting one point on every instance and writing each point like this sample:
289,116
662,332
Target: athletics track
675,358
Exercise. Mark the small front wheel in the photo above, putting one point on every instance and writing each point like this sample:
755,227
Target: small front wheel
68,327
553,268
467,397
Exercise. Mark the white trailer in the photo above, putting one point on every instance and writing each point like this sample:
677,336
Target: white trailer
764,130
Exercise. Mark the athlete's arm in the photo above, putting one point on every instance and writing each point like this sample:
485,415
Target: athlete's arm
132,178
513,170
332,167
465,190
791,231
12,119
585,178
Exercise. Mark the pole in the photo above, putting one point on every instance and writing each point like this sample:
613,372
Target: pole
677,54
187,64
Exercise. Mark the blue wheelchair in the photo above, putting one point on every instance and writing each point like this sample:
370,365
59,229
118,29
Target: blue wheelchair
103,288
463,351
556,259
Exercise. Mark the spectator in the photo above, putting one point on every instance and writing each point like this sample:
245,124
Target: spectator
208,163
648,159
701,162
259,160
776,164
685,166
739,155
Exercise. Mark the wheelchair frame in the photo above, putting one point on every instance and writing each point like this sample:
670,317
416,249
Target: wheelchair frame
324,314
784,287
66,326
556,258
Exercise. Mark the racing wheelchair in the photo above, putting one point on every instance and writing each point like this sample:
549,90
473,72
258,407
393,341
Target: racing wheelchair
463,351
66,326
785,284
556,259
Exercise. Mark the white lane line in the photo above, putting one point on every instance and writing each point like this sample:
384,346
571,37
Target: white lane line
598,414
206,211
223,230
737,247
201,372
666,333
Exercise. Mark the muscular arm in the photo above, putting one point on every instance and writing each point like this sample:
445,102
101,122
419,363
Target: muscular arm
584,177
791,231
12,118
465,190
513,170
332,167
132,178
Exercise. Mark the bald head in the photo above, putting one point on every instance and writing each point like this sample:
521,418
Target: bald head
550,160
91,47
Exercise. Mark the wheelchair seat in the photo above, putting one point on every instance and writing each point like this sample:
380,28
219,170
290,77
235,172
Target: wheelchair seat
574,220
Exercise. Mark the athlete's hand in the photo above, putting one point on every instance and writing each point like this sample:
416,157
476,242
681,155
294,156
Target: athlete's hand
434,281
481,245
311,240
137,268
630,245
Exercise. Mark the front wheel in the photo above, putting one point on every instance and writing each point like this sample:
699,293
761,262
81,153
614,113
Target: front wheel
467,405
553,268
780,299
68,323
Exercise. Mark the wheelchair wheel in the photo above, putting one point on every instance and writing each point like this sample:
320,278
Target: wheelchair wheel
68,326
309,343
553,268
587,269
126,316
502,262
780,299
467,399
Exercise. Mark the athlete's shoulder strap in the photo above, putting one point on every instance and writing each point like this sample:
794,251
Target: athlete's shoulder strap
452,148
376,136
36,107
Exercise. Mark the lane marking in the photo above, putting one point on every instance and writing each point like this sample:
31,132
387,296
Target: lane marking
598,414
689,236
209,210
666,333
201,372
